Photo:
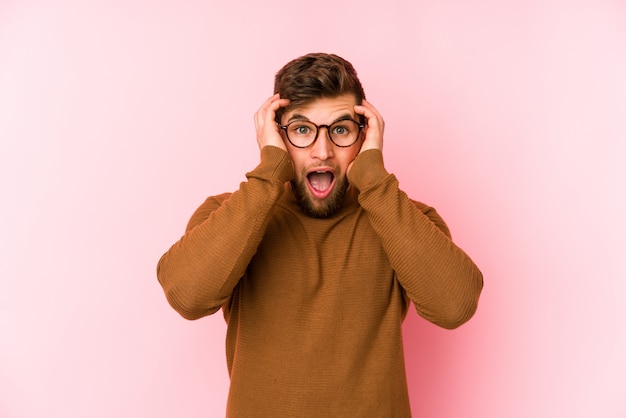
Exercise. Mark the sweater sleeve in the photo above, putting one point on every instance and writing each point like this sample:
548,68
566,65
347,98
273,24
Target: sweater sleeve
199,272
441,280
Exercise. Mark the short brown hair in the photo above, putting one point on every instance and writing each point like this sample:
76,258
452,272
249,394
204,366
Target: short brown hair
313,76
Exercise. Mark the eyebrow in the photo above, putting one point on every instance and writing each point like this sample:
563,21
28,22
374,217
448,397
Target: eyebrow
297,116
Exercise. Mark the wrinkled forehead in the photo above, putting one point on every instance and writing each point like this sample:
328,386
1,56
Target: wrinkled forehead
322,110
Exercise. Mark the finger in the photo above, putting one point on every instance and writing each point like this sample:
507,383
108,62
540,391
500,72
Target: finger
371,114
274,106
373,132
370,117
367,107
266,104
267,130
267,109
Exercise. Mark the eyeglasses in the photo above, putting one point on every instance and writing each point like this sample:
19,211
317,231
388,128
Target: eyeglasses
302,133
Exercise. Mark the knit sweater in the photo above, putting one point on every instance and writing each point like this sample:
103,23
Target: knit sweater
314,307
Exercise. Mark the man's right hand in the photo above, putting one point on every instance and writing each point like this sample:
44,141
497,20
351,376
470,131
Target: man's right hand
267,132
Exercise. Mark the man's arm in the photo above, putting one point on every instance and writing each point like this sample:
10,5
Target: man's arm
440,279
200,271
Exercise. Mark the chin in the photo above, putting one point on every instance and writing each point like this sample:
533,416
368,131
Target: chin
316,209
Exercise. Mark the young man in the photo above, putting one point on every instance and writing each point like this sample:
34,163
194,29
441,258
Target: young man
315,259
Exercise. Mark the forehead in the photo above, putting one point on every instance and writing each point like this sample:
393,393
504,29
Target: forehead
324,109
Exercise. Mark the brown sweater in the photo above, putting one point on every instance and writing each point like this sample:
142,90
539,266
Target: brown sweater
314,306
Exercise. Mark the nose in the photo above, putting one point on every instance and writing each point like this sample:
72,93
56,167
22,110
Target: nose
323,147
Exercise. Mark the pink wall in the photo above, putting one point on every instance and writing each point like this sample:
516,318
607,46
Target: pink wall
117,118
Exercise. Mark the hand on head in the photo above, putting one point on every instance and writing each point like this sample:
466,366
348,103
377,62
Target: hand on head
267,132
375,126
374,129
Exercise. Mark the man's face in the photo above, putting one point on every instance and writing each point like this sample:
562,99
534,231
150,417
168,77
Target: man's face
320,180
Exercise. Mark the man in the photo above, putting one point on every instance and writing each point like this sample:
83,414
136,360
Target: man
315,259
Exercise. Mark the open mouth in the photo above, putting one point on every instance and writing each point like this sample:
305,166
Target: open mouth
321,182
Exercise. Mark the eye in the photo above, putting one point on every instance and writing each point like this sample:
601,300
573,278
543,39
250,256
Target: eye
342,128
300,129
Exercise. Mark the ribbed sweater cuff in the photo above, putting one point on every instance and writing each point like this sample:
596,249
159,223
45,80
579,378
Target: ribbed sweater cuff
368,170
275,165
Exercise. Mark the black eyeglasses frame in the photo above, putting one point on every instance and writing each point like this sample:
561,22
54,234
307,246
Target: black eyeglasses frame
317,132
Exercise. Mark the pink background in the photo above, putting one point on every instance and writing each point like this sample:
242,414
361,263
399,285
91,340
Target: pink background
117,119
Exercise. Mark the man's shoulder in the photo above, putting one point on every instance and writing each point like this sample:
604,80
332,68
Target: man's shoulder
421,206
213,202
432,214
210,204
218,199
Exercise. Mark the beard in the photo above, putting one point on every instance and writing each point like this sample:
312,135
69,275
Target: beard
328,207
